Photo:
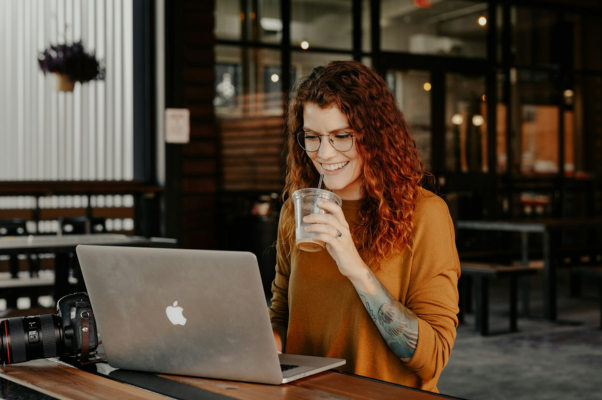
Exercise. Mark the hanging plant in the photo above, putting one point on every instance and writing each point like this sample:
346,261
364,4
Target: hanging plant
70,63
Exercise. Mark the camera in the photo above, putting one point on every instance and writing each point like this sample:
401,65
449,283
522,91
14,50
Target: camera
72,331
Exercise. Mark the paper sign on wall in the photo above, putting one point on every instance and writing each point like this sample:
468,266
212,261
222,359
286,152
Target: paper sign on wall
177,125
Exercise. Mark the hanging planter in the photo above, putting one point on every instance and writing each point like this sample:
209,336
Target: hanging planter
63,82
70,63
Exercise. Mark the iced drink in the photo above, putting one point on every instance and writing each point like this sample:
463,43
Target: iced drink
306,203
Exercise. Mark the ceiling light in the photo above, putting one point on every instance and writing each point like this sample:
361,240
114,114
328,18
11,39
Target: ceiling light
427,86
457,119
482,21
305,45
477,120
275,78
271,24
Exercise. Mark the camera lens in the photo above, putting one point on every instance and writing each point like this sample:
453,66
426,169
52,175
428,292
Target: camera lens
30,338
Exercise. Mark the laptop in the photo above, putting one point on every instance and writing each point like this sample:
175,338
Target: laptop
187,312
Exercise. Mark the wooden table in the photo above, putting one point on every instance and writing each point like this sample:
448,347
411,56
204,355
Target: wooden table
545,227
65,382
61,246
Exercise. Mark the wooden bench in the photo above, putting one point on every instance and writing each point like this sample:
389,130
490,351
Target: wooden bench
594,272
481,273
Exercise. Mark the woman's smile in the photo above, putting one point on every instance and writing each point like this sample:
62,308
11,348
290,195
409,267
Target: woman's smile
334,168
343,170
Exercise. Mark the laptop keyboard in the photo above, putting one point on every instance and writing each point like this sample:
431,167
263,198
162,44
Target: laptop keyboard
286,367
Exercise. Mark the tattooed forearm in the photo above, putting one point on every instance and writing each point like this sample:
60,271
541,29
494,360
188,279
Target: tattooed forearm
397,324
370,312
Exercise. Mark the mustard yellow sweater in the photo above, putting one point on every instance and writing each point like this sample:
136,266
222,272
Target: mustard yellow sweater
325,317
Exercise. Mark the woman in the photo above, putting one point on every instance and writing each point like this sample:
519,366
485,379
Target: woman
383,295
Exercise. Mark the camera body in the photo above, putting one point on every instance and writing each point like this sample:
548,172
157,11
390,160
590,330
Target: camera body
72,331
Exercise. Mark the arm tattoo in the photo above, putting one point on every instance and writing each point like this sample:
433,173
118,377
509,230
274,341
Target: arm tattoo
368,308
397,324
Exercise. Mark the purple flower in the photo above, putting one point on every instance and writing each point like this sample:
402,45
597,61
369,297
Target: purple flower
71,60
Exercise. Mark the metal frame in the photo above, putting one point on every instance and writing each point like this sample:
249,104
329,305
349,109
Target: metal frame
438,66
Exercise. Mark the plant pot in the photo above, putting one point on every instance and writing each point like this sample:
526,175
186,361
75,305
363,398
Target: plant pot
63,83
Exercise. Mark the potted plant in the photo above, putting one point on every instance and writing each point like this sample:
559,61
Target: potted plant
70,63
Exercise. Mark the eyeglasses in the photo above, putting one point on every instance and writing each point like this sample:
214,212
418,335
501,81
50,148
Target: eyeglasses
310,141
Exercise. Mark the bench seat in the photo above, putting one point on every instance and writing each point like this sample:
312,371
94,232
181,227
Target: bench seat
482,273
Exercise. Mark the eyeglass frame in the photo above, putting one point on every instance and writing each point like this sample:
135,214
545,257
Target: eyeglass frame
330,140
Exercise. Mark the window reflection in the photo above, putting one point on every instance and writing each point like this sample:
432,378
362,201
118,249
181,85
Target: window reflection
583,119
451,28
412,92
251,20
247,82
228,19
322,23
535,36
249,109
466,127
537,110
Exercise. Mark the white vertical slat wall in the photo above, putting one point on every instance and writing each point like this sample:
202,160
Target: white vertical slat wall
86,134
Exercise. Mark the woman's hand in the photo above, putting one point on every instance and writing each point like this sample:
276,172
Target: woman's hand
278,341
333,230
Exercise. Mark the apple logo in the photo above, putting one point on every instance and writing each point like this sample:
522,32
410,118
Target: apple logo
175,314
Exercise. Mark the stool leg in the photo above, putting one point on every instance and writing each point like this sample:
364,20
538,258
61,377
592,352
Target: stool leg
600,294
525,294
513,303
482,305
468,294
575,284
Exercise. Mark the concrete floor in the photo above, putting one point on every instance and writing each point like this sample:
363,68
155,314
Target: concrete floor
543,361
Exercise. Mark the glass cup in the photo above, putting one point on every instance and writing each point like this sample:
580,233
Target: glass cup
306,203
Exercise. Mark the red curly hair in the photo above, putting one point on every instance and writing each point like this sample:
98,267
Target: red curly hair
392,171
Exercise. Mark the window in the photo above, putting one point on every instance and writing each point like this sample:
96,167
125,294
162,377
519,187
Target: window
322,23
449,28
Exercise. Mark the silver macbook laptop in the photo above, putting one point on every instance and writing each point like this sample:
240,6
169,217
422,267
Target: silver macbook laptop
187,312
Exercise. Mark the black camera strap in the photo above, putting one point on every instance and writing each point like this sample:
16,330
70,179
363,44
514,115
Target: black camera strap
85,327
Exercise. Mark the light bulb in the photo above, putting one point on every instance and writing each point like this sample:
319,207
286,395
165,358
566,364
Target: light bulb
275,78
477,120
305,45
457,119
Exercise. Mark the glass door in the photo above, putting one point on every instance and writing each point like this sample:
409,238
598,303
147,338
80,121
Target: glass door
465,123
412,90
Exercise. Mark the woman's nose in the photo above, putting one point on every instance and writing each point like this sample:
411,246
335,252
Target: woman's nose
326,151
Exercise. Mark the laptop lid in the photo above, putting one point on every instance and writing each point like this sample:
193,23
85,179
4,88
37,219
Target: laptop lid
186,312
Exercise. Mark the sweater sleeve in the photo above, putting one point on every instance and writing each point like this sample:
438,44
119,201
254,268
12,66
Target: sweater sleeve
433,290
279,308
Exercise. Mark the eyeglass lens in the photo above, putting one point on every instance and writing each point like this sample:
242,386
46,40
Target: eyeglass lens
310,141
